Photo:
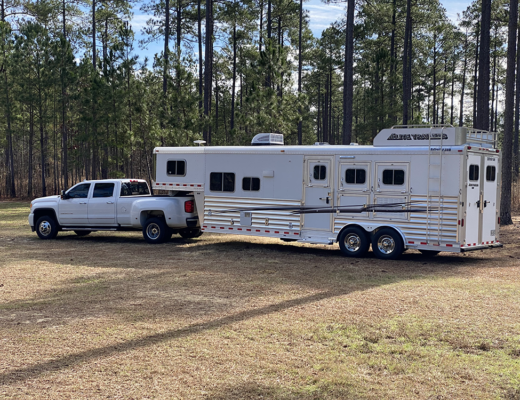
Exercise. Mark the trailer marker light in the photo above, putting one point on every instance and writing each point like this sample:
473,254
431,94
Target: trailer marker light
462,222
171,184
498,151
276,231
221,227
239,229
258,230
267,231
230,228
449,245
157,184
469,147
213,227
286,233
184,184
410,242
296,233
460,151
248,230
474,244
199,185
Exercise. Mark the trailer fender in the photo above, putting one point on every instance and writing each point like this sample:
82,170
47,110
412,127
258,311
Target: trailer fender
372,228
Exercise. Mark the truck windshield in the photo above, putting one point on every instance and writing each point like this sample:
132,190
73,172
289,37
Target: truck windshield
134,189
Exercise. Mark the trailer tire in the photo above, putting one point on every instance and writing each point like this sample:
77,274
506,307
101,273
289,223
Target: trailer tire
82,233
190,233
429,253
353,242
387,244
155,231
46,227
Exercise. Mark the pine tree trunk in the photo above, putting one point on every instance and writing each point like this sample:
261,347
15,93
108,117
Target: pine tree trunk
507,146
483,73
166,47
199,38
300,73
475,77
516,155
408,28
208,70
232,123
434,103
261,26
348,78
461,116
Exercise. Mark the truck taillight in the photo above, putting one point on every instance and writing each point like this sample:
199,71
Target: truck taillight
189,206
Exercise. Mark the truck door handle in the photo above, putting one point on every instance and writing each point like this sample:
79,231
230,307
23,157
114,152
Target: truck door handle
110,202
82,203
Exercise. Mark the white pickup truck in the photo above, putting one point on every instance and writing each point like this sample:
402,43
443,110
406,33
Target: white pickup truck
115,205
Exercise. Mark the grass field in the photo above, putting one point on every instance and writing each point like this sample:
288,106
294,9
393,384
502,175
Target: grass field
229,317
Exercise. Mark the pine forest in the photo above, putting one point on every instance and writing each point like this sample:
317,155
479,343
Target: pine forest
80,100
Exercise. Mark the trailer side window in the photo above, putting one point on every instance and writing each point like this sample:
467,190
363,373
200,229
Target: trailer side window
355,176
473,172
491,173
176,168
393,177
251,184
222,182
320,172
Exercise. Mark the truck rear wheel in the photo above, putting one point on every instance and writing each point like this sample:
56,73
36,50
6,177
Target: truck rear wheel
46,227
353,242
387,244
155,231
190,233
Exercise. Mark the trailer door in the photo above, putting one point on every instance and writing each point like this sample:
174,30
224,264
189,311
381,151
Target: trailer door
473,192
318,193
489,199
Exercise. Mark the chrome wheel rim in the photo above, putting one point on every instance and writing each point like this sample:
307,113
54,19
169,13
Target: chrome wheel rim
153,231
386,244
45,228
352,242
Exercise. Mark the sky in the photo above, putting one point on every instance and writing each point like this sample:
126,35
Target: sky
321,15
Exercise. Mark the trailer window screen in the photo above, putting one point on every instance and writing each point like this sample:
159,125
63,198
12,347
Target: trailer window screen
176,168
320,172
393,177
473,172
251,184
103,190
491,173
222,182
355,176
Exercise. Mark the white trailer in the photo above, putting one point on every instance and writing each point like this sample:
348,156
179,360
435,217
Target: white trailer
433,188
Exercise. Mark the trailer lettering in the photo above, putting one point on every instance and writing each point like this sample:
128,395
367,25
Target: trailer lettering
417,136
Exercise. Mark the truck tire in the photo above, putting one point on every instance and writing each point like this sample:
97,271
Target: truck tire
46,227
387,244
155,231
353,242
82,233
190,233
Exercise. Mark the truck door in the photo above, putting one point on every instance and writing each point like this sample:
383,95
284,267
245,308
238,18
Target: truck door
488,202
74,209
318,192
101,206
473,194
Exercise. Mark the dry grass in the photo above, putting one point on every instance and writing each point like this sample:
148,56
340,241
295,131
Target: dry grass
226,317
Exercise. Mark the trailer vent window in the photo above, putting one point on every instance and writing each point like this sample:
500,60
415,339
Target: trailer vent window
491,173
393,177
251,184
176,168
355,176
222,182
320,172
473,172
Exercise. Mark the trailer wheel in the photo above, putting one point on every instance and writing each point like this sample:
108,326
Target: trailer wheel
190,233
82,233
155,231
353,242
429,253
387,244
46,227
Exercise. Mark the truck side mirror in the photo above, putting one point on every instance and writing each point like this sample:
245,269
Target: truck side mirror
64,196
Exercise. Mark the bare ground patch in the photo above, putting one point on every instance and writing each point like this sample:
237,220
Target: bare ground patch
229,317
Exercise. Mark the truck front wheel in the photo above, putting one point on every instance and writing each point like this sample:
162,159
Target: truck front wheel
46,227
155,231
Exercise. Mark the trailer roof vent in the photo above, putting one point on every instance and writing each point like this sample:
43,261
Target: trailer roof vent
321,144
268,139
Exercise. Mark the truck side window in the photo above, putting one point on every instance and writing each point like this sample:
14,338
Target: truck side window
103,190
491,173
251,184
79,192
393,177
134,189
222,182
320,172
355,176
473,172
176,168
